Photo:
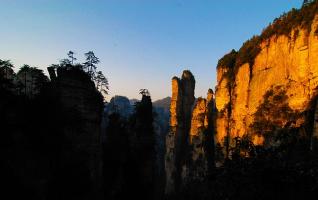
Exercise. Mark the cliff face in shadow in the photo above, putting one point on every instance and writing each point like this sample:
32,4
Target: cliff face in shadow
129,151
52,140
80,108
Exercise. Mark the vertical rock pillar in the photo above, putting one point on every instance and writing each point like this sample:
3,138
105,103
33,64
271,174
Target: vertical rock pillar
177,140
80,108
190,143
202,138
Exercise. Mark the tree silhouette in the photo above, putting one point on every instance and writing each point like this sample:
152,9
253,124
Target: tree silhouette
6,67
71,56
144,92
32,79
91,62
89,67
22,74
101,83
65,62
6,75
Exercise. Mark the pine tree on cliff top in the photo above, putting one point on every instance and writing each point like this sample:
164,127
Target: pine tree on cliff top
71,56
91,62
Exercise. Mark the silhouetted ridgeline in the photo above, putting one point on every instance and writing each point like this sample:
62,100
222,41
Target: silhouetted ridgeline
80,108
52,145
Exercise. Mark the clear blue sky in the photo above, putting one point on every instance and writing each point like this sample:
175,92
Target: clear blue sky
141,43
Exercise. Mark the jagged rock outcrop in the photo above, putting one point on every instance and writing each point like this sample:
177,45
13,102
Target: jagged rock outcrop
287,61
186,142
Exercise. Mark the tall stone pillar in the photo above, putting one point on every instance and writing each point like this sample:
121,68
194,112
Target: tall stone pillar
177,140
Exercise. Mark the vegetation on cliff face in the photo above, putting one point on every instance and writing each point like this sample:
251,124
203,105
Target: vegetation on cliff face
52,144
277,143
228,60
89,67
274,118
286,168
296,18
284,25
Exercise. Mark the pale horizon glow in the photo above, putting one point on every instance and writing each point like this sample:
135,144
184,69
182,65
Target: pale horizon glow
141,43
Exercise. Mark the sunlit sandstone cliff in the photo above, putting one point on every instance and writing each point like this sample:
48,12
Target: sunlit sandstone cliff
188,145
291,62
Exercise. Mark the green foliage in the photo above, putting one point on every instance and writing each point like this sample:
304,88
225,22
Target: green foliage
248,52
228,60
301,18
293,20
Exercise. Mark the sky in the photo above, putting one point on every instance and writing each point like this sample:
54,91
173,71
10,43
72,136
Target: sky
140,43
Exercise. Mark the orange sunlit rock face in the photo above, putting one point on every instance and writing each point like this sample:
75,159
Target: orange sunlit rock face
175,102
258,140
291,62
198,116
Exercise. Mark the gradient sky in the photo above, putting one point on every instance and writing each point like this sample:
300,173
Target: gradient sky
141,43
